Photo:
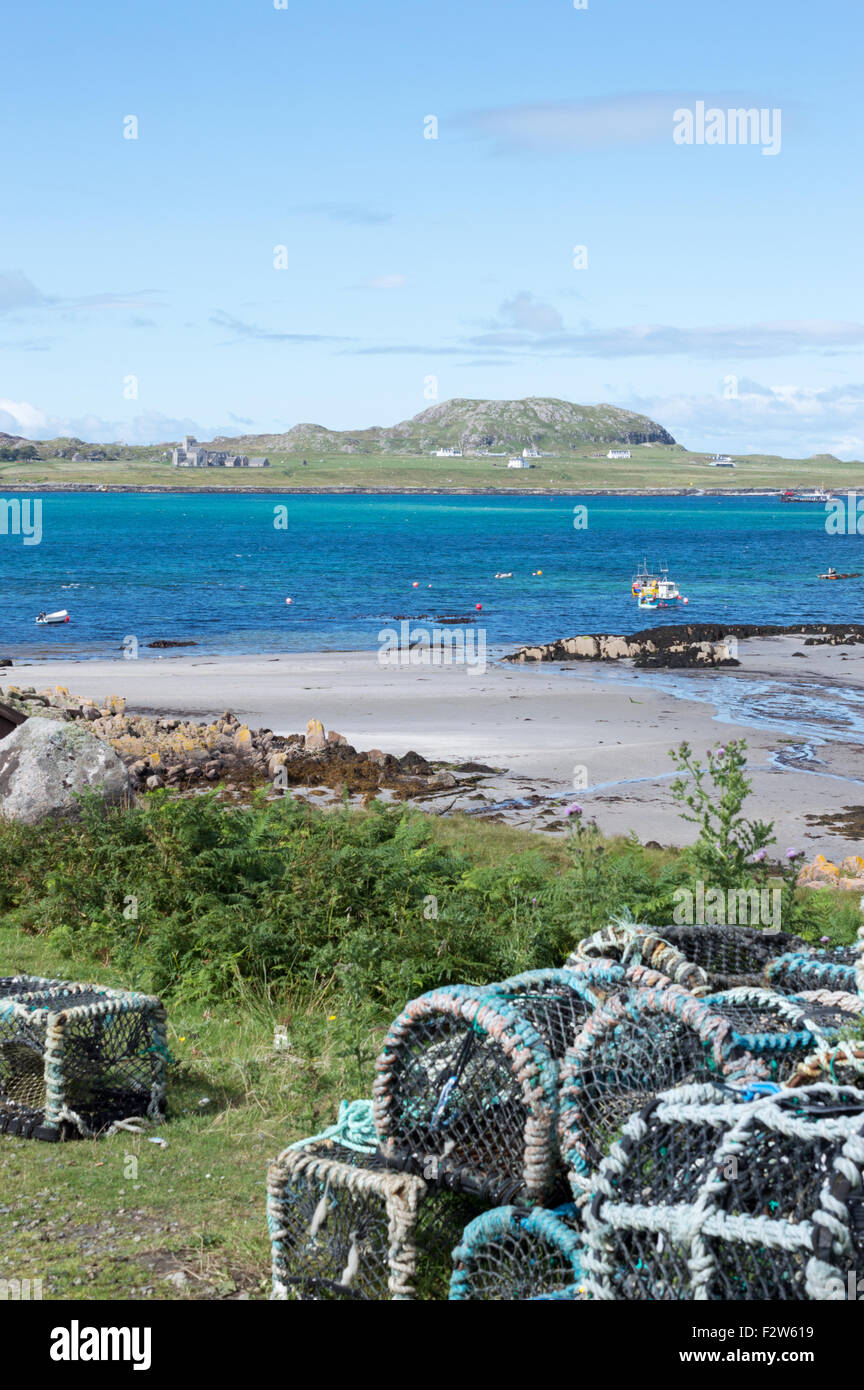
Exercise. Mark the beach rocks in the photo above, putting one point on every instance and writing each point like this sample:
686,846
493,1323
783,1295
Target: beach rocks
684,644
315,740
822,873
45,766
186,756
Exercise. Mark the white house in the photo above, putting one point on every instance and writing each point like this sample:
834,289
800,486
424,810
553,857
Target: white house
519,463
618,454
720,461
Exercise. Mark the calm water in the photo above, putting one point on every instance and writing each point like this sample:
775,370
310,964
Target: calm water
216,570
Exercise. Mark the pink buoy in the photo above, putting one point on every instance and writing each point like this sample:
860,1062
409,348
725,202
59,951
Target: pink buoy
479,607
416,584
289,600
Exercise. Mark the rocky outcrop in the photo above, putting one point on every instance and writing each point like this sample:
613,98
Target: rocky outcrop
683,644
46,765
609,647
185,756
822,873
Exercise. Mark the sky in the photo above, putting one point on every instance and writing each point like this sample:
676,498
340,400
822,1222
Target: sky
343,213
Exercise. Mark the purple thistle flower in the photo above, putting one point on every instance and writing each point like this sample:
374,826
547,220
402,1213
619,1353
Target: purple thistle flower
794,853
824,939
760,855
574,809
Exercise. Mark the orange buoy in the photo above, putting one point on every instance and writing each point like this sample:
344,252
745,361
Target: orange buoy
416,584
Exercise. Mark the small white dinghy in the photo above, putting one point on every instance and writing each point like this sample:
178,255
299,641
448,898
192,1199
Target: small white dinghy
61,616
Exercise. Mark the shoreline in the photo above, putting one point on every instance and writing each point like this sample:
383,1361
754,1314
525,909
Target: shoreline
399,491
548,733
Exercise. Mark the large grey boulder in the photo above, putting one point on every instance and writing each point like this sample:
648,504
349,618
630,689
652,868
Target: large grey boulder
46,765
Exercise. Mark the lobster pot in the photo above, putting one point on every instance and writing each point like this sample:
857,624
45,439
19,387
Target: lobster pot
558,1002
466,1094
344,1226
730,956
76,1059
12,985
631,1048
798,971
634,945
517,1253
781,1031
707,1199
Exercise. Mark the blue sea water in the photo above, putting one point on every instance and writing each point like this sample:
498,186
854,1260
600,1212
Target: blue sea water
216,570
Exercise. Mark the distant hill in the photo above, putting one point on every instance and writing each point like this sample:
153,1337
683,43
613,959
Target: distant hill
553,426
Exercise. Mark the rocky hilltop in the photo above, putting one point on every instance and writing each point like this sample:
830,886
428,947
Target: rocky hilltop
552,426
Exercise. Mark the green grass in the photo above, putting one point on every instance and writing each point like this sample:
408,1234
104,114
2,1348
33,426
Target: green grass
660,466
249,920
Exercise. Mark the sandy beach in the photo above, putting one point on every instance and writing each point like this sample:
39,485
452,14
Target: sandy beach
599,733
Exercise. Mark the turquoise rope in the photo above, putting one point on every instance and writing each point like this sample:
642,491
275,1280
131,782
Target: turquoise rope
354,1128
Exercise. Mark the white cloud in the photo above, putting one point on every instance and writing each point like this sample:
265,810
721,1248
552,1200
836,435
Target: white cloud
386,282
792,420
20,417
17,292
597,123
525,312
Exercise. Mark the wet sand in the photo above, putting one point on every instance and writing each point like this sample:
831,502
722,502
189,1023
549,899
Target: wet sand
598,733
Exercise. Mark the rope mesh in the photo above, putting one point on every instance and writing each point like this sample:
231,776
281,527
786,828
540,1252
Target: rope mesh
343,1225
631,1048
514,1254
465,1092
76,1059
707,1198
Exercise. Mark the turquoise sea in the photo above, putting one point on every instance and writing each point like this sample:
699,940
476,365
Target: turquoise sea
215,569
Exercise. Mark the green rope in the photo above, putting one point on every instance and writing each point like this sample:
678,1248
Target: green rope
354,1128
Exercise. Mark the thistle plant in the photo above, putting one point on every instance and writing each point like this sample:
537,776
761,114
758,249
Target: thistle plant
731,850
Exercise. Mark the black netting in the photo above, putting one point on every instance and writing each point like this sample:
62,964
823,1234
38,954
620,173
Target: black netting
104,1066
557,1002
332,1241
628,1063
732,1201
466,1094
506,1255
670,1165
731,956
477,1126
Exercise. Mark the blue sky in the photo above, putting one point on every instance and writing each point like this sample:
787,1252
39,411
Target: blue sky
722,293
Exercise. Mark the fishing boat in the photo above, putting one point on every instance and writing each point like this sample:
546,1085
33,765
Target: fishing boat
61,616
659,587
813,494
832,574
